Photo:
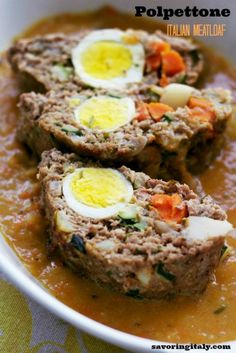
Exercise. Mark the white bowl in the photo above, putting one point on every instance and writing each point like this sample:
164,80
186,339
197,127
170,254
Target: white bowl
15,16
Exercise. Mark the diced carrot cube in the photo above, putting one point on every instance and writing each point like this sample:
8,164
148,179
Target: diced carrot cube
203,115
172,62
154,61
201,109
169,207
157,110
199,102
164,81
159,47
143,112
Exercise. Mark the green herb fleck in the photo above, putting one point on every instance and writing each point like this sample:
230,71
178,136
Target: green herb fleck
182,78
140,225
164,273
138,252
62,72
114,96
220,309
132,223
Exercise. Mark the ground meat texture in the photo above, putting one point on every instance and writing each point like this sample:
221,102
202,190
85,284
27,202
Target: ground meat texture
161,149
44,63
151,261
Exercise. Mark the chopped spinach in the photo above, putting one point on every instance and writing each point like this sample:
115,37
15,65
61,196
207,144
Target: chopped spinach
134,293
195,56
223,250
78,243
169,154
132,223
128,221
167,118
129,218
62,72
182,78
152,96
164,273
71,130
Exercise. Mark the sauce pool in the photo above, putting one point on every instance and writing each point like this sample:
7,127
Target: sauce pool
205,319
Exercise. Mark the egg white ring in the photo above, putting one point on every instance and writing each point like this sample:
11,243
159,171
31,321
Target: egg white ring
93,212
131,111
133,75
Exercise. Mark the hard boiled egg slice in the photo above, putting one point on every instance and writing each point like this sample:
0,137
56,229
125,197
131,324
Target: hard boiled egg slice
105,113
97,192
104,59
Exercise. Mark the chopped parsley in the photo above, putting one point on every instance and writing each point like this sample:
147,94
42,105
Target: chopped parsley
220,309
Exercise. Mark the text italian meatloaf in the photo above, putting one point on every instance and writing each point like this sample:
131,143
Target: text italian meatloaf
161,137
147,238
104,58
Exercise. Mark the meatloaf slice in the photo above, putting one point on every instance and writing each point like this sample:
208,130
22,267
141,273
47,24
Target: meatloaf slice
49,121
45,63
156,142
164,241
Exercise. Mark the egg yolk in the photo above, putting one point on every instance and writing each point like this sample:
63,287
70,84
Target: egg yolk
103,113
98,187
106,60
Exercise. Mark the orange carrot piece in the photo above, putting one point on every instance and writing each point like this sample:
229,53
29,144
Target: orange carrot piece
199,102
172,62
201,109
143,112
163,80
204,115
154,60
159,47
157,110
169,207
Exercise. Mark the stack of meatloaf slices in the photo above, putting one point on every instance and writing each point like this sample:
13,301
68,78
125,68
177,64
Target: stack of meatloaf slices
97,100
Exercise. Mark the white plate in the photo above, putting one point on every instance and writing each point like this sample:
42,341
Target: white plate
15,16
